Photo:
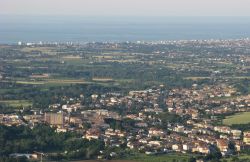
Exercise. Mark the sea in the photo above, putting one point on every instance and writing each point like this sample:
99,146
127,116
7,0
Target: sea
81,29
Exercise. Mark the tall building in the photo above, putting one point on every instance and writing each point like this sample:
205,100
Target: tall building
56,119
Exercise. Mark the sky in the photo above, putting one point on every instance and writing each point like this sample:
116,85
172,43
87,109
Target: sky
126,7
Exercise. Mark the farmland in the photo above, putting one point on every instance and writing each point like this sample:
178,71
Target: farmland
239,118
106,160
16,103
149,158
162,158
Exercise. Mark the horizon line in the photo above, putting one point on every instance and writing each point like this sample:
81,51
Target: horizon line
69,15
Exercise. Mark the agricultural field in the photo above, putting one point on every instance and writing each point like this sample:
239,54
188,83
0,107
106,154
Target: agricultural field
106,161
47,82
16,103
197,78
103,79
54,81
242,157
161,158
239,118
149,158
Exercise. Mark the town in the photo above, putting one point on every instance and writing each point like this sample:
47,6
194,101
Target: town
152,98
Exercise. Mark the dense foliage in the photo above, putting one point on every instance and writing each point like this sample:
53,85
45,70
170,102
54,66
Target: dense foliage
42,138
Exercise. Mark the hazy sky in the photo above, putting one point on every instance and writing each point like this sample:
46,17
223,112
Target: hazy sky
127,7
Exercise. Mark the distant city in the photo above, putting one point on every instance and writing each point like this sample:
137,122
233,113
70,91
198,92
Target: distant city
114,29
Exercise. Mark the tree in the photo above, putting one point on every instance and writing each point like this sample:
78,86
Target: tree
214,154
231,147
192,159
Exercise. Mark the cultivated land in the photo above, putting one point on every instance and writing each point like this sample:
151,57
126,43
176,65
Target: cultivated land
106,161
148,158
162,158
239,118
16,103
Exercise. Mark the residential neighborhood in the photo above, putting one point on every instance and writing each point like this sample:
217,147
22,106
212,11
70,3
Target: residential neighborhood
193,130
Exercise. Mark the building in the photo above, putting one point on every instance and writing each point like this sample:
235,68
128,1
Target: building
236,134
155,132
238,145
28,156
246,138
222,144
92,133
55,119
179,128
19,43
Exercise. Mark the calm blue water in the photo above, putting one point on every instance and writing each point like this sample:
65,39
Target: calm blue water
83,29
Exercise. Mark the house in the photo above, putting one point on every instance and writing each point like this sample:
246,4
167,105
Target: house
176,147
130,145
141,125
92,134
110,132
238,145
61,130
222,144
236,134
179,128
28,156
246,137
75,120
204,149
201,147
187,147
155,132
154,143
143,141
222,129
94,97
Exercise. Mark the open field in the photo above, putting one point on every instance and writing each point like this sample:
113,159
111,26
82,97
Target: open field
103,79
240,118
66,81
106,161
196,78
72,57
30,82
149,158
16,103
244,157
59,82
41,49
161,158
201,78
51,81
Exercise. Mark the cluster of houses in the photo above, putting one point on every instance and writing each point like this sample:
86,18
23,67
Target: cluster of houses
195,133
10,119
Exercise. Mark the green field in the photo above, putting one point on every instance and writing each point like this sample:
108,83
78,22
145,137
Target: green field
16,103
54,82
201,78
239,118
161,158
197,78
105,161
242,157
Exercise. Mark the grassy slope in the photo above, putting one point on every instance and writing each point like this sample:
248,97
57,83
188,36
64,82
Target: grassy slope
240,118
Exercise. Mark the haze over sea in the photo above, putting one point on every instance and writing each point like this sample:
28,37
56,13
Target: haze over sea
119,29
